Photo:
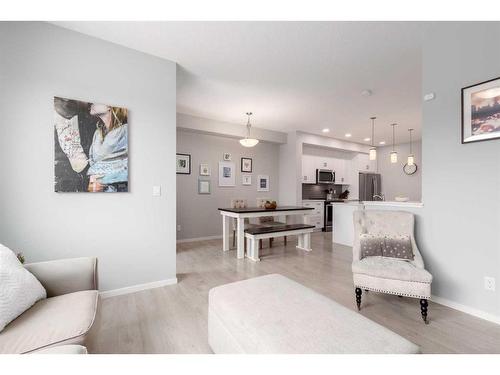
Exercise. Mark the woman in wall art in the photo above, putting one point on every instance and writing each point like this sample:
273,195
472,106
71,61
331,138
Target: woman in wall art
91,147
108,155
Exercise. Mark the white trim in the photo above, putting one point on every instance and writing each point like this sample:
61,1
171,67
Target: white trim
393,204
218,237
137,288
466,309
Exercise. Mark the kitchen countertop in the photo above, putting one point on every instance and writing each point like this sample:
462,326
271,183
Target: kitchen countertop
382,203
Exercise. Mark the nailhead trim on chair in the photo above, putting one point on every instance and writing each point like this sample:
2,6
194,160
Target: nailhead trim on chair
389,292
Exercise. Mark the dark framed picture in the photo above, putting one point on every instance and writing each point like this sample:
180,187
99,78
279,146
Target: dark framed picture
481,111
246,165
183,164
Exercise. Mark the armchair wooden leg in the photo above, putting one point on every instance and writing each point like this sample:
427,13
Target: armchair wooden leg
234,238
358,297
260,244
285,240
423,310
270,242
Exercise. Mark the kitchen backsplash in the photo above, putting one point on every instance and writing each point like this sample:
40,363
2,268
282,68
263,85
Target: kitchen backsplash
318,191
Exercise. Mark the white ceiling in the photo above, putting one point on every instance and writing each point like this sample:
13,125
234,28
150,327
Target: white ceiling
293,75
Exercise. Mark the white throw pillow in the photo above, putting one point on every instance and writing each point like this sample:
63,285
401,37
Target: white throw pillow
19,289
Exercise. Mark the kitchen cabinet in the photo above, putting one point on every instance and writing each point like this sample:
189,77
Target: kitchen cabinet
316,218
308,169
364,164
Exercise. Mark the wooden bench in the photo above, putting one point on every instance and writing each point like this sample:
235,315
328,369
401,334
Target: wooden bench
254,235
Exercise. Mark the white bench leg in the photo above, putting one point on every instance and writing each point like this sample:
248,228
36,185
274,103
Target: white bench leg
254,245
304,242
249,247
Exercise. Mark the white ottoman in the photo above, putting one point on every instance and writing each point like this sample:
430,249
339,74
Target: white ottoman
273,314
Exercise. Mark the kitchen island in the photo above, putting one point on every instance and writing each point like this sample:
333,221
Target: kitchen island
343,226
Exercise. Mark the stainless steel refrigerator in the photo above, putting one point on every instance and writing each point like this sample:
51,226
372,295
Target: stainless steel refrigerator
370,184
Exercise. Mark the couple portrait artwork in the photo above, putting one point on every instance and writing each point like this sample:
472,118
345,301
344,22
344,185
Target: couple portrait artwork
91,147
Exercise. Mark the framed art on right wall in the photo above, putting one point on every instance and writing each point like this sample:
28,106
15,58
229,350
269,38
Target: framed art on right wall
481,111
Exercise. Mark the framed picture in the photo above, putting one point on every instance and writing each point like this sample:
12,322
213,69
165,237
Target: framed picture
203,186
246,179
246,165
204,170
481,111
226,156
226,173
183,164
263,183
90,147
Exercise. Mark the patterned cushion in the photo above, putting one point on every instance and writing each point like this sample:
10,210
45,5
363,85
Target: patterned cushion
371,245
397,247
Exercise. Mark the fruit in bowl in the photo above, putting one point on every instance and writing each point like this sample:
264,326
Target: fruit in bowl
270,205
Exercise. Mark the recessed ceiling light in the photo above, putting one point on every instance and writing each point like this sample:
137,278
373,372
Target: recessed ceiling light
348,135
381,143
368,139
326,130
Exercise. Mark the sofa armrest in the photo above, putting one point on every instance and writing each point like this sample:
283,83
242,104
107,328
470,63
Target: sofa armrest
66,275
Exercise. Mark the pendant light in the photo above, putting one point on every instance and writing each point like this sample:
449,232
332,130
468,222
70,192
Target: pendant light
394,154
247,141
411,157
373,149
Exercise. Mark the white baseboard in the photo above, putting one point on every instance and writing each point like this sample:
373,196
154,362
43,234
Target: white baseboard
200,239
137,288
467,309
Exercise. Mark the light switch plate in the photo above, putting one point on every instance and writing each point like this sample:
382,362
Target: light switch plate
429,96
156,191
489,283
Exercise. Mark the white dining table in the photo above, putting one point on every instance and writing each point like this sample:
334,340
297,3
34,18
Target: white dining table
240,214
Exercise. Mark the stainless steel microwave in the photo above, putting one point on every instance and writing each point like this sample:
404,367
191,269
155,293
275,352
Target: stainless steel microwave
325,176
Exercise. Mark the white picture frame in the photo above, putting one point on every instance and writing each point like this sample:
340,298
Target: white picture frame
246,179
226,156
226,174
263,182
204,186
205,169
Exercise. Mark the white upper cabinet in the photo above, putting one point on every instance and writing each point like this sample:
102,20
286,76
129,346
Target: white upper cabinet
308,169
364,164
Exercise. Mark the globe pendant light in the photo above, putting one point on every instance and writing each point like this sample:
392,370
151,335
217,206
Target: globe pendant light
394,154
411,157
373,149
247,141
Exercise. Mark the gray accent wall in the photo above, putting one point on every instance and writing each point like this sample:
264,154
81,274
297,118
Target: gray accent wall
394,181
460,225
197,214
132,234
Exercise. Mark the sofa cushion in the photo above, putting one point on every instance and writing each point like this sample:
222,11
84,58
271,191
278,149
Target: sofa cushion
19,289
391,268
58,320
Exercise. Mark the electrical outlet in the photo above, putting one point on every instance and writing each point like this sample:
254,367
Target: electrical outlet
178,228
489,283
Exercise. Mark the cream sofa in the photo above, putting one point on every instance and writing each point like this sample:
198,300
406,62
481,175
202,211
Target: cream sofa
65,317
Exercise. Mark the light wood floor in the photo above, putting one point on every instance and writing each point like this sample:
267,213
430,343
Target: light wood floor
173,319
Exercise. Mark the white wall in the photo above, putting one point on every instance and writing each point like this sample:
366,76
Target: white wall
197,214
394,181
460,236
132,234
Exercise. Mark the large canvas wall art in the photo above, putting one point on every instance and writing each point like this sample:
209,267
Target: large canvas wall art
91,147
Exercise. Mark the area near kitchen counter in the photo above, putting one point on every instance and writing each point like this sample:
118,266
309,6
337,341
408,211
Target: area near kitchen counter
343,228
